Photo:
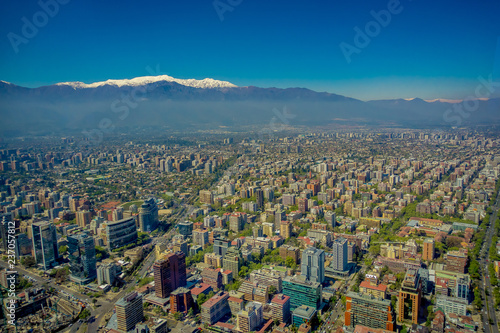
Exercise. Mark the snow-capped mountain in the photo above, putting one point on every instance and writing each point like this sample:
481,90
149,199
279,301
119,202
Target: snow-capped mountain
145,80
173,104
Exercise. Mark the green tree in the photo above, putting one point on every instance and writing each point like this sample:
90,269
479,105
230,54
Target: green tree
202,298
28,261
243,271
84,314
63,249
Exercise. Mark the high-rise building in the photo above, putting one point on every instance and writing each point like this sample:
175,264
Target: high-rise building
117,214
286,229
169,274
257,231
410,296
250,318
45,244
232,260
331,219
215,308
83,218
237,221
280,305
206,196
302,292
303,204
456,261
339,251
370,311
181,300
129,311
313,264
148,215
200,237
107,273
81,249
185,228
24,245
221,246
259,196
290,251
428,251
121,233
5,218
212,277
303,315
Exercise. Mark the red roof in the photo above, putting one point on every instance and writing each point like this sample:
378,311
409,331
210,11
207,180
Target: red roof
280,299
234,299
198,290
366,284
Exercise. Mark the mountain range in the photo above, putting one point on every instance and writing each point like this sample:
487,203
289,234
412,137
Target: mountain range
168,103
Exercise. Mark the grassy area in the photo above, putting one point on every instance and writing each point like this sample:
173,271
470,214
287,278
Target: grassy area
128,204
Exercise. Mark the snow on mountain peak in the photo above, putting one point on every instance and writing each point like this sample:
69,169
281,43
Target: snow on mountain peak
143,80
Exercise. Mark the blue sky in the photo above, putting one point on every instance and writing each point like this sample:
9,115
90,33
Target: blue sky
429,49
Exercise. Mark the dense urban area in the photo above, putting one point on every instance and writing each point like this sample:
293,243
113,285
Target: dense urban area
363,231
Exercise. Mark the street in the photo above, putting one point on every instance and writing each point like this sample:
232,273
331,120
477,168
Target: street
489,318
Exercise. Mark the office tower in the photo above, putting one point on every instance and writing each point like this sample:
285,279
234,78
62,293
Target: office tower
181,300
280,305
331,219
286,229
129,311
339,251
5,218
24,245
221,246
215,308
185,228
169,274
121,233
302,292
428,251
250,318
83,218
45,244
313,264
148,215
369,311
206,196
232,260
410,296
303,315
259,195
81,249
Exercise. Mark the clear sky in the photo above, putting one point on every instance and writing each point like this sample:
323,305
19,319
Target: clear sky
429,49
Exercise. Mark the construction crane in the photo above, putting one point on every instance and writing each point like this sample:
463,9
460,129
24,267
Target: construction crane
54,307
